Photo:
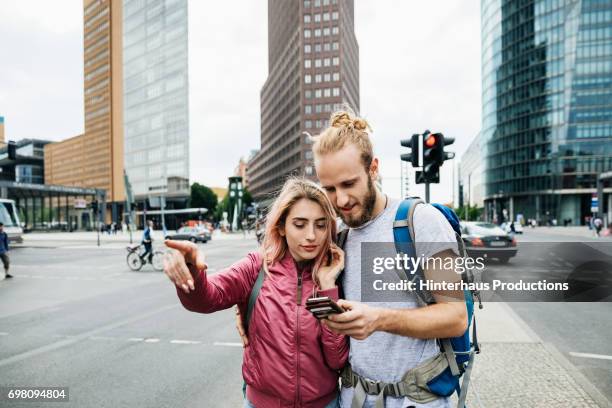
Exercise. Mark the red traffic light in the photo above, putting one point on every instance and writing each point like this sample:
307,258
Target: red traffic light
430,141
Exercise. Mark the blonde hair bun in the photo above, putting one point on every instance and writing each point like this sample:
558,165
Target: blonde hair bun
345,119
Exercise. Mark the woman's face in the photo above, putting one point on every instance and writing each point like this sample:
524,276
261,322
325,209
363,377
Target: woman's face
305,230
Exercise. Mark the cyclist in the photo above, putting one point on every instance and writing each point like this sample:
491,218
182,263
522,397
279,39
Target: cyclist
147,241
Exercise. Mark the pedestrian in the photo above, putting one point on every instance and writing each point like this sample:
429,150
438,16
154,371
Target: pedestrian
291,359
598,225
512,228
4,249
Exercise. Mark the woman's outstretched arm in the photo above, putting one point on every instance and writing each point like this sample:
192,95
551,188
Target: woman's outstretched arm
201,293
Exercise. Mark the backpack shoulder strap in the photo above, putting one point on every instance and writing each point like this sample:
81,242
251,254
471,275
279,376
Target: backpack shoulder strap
403,236
253,297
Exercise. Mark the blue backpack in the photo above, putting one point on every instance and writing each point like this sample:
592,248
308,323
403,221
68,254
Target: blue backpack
459,350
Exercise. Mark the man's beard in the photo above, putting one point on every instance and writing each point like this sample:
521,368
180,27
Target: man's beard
368,208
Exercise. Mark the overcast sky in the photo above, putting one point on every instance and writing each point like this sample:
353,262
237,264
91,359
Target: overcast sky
419,69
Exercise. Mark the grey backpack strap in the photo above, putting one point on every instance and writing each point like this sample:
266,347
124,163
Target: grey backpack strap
341,238
253,297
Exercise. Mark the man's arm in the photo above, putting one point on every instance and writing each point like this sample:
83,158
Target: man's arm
446,318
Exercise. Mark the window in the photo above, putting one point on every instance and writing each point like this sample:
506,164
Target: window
318,93
325,16
317,47
317,18
327,77
317,32
335,30
336,76
335,15
307,79
336,92
306,4
307,18
319,124
327,92
308,124
319,108
326,2
306,33
317,78
336,61
307,63
308,94
306,48
326,62
328,107
308,109
317,3
326,47
335,46
308,155
326,31
308,170
317,63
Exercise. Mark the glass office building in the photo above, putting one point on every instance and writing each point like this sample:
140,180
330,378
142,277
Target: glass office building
546,106
156,106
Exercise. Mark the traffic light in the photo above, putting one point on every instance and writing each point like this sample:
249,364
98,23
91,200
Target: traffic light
413,156
94,206
12,150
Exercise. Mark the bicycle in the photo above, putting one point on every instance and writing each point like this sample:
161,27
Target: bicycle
136,262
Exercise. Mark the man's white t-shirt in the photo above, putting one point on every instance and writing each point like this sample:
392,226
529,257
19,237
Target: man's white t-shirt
384,356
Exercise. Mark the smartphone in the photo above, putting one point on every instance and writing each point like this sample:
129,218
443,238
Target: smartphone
322,307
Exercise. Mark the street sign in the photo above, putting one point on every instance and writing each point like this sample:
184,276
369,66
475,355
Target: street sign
594,203
80,203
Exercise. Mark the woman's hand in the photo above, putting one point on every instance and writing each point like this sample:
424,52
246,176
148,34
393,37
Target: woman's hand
327,274
176,261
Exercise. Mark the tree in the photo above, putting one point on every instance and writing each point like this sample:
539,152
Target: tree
473,212
202,197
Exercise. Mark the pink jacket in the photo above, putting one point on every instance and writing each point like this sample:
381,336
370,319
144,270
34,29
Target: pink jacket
292,360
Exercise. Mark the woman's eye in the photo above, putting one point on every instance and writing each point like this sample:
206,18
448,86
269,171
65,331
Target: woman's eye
299,225
321,226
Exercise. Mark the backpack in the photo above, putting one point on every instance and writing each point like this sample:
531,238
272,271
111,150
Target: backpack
460,350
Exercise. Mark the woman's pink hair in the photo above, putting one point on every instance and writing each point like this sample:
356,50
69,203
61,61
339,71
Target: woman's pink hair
274,246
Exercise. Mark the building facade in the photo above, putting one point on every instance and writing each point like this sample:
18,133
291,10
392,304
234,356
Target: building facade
471,175
156,105
99,164
313,70
547,106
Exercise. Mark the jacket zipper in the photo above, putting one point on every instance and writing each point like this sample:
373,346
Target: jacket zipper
297,308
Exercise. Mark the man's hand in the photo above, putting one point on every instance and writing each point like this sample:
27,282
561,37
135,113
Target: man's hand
240,328
359,321
177,259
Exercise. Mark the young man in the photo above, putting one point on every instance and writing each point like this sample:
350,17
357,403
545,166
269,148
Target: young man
147,241
4,248
387,338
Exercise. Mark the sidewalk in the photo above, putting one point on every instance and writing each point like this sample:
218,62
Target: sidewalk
89,238
573,231
516,369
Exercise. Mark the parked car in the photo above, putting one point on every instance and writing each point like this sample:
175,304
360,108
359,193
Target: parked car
191,234
518,228
486,239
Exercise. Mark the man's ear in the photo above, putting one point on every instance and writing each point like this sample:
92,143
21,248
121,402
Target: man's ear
373,173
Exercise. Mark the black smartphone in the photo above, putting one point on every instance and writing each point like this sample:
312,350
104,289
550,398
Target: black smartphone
322,307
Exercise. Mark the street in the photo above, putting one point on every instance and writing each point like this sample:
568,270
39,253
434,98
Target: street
75,316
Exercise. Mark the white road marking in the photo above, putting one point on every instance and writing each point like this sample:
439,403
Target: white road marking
3,334
66,342
227,344
588,355
102,338
135,339
185,342
151,341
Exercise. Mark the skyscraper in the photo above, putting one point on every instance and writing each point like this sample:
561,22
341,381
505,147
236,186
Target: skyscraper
547,106
156,106
100,160
313,69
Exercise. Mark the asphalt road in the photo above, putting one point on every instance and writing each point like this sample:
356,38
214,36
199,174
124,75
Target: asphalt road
78,317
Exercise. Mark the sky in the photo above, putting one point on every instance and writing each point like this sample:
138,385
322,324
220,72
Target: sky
419,69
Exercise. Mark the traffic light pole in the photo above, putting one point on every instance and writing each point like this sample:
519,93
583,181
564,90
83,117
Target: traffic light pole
427,193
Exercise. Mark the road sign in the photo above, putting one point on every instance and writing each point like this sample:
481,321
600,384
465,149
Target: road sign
594,203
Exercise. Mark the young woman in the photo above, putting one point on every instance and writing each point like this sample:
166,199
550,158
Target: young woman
291,360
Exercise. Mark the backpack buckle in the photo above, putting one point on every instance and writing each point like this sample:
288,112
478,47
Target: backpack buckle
371,387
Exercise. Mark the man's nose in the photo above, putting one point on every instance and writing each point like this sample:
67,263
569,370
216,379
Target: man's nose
342,199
